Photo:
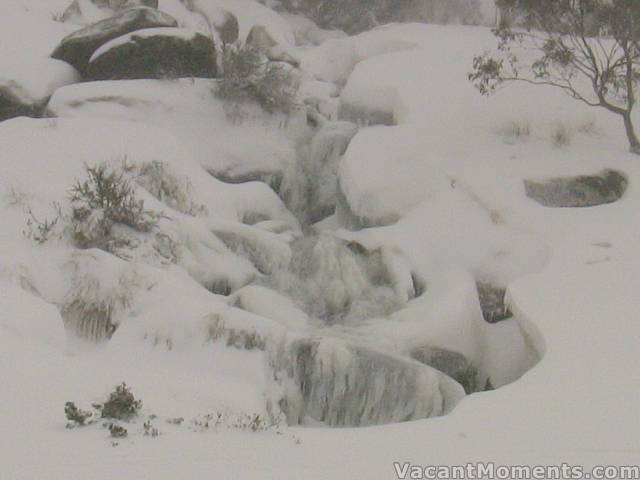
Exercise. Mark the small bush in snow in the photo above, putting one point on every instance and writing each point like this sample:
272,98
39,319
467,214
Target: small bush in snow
104,199
40,231
249,77
516,130
157,178
588,127
76,416
561,136
248,422
117,431
121,404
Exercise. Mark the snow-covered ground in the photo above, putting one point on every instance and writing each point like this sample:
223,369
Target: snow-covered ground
441,188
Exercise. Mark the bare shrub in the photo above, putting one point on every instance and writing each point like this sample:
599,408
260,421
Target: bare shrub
589,127
249,77
515,130
76,416
561,136
41,231
104,199
157,179
99,207
121,404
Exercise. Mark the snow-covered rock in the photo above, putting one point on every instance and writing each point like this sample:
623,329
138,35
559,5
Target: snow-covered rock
267,303
77,48
452,364
25,89
154,53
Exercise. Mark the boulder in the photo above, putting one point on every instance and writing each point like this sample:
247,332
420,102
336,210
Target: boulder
604,187
25,89
154,53
261,40
451,363
77,48
492,302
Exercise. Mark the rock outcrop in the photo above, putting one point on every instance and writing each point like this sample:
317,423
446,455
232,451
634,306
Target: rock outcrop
154,53
77,48
604,187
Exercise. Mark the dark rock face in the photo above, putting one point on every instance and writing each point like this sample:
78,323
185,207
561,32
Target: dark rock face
605,187
156,53
492,302
11,106
77,48
453,364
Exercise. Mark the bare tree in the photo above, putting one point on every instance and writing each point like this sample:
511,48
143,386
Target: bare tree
590,49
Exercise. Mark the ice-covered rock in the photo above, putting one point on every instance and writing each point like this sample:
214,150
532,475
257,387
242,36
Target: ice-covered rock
310,192
77,48
329,381
452,364
268,252
337,282
154,53
607,186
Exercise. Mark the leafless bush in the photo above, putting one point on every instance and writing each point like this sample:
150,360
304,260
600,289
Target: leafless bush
248,77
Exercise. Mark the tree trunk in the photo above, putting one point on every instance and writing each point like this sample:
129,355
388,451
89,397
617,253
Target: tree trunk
634,142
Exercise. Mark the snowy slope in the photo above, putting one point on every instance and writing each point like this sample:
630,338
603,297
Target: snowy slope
443,186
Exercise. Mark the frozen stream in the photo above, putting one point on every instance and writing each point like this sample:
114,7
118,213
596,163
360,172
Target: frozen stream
358,351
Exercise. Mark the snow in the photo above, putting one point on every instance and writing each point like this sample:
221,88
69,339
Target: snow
178,33
450,177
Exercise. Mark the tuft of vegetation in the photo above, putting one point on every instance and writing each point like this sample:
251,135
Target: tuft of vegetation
76,416
516,130
249,77
158,179
99,207
41,231
561,136
106,198
121,404
117,431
